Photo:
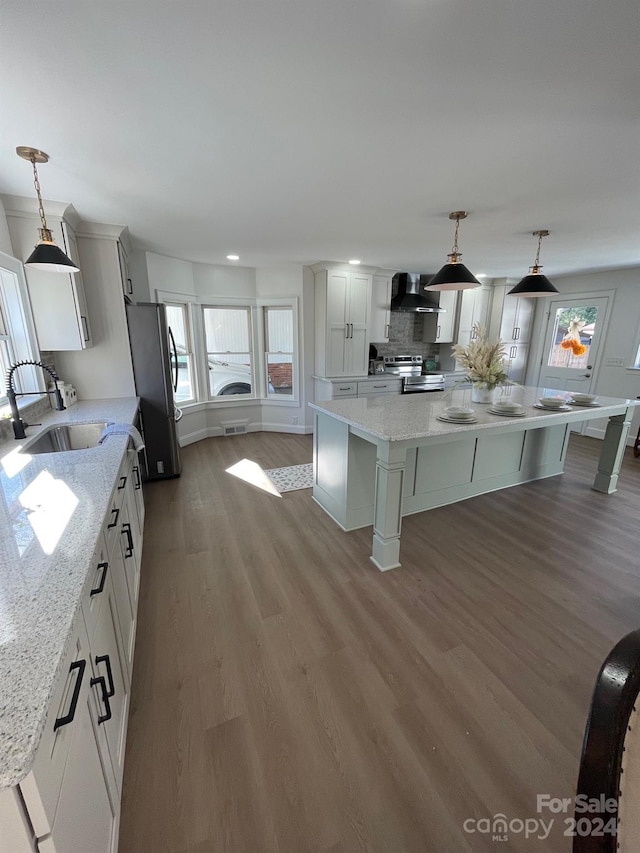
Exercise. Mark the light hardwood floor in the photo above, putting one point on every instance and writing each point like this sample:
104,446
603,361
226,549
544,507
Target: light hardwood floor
288,697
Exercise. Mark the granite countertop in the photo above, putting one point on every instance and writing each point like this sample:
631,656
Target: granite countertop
414,416
51,513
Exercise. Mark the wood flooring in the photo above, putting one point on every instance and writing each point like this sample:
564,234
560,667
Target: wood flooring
289,698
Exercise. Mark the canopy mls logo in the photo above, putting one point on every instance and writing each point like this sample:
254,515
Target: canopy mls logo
585,817
499,827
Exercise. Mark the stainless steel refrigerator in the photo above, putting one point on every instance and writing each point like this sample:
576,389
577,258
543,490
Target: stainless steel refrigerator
155,369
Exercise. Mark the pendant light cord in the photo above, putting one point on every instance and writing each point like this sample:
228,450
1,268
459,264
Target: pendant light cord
36,183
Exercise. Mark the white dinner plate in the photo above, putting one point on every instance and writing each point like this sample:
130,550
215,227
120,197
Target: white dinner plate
448,420
507,414
564,408
584,405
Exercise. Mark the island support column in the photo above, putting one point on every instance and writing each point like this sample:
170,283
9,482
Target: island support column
612,453
387,514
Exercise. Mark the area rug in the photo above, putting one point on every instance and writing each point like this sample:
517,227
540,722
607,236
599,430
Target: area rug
292,477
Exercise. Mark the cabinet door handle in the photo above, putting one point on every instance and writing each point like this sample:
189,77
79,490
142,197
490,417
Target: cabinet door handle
68,718
136,471
129,287
85,327
346,330
126,529
387,331
122,484
106,660
513,352
98,589
437,332
107,691
115,512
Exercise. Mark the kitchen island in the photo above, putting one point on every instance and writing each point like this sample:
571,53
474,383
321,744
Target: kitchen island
378,459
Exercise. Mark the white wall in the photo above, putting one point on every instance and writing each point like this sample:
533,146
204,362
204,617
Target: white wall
211,280
170,274
620,341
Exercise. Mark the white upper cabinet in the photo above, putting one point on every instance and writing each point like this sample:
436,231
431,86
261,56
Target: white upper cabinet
475,306
380,309
440,328
343,310
57,300
517,319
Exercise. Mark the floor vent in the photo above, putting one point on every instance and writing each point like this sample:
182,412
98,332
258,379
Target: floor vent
234,430
233,427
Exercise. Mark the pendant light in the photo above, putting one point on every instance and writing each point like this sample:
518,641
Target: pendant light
454,275
46,255
534,284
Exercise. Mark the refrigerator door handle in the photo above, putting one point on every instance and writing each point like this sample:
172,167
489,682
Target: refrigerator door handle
174,358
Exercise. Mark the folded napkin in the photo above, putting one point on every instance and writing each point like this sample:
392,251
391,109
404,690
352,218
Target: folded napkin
123,429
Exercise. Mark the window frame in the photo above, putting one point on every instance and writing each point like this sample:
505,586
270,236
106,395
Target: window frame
227,305
20,329
292,304
189,349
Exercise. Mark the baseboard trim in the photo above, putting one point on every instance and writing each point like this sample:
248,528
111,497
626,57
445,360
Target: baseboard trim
298,429
216,432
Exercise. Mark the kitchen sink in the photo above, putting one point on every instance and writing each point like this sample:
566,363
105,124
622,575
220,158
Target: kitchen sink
63,437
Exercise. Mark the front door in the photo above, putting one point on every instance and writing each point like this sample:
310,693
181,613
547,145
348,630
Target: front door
572,339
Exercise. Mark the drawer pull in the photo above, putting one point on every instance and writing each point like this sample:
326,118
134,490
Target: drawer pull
343,388
126,529
122,484
98,589
379,386
68,718
115,512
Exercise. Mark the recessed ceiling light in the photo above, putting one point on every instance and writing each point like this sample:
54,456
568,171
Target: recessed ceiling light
233,257
355,262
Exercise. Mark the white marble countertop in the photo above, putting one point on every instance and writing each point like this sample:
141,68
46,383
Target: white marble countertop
52,508
414,416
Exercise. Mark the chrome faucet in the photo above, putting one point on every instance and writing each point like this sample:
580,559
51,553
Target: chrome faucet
16,421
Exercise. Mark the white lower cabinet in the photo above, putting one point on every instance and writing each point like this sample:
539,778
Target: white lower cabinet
70,800
328,389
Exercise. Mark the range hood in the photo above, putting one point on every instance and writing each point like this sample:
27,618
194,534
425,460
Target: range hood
411,295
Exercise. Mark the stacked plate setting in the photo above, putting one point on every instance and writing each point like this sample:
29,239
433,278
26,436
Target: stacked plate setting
583,400
458,415
507,408
552,404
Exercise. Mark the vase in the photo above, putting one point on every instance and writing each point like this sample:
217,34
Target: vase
482,393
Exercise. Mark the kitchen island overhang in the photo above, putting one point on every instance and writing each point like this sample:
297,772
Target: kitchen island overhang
376,460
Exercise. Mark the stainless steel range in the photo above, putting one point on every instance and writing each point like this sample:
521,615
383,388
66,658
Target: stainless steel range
409,369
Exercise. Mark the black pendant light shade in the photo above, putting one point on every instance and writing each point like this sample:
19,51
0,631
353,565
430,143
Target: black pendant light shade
534,284
46,255
49,257
453,275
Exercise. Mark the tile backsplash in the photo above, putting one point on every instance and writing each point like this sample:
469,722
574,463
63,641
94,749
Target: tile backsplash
405,336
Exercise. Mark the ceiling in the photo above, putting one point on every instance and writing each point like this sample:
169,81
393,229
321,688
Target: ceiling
294,131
